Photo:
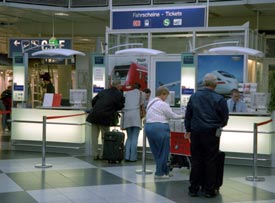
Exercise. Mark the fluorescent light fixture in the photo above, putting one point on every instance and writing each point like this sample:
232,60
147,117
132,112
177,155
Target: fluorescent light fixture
58,52
236,50
61,14
138,51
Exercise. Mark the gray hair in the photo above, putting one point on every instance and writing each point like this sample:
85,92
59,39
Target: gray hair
162,90
115,83
210,80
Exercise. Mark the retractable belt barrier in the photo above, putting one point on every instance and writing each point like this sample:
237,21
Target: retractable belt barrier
43,164
5,112
254,177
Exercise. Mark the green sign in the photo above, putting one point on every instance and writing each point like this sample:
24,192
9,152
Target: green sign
53,42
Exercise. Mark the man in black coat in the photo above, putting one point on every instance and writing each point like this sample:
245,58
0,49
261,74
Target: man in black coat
206,113
104,106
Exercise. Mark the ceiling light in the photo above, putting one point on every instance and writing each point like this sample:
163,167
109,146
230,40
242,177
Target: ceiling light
61,14
58,52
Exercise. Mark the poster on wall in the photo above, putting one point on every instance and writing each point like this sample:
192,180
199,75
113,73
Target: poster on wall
168,74
229,69
129,70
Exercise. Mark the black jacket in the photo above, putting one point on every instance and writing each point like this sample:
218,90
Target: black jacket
104,105
206,110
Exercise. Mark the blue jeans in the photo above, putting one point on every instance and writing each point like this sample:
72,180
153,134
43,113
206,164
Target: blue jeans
158,135
131,143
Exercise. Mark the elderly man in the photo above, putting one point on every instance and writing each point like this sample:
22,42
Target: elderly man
205,114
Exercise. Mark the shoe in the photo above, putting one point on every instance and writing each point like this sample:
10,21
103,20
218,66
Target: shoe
127,160
162,177
210,194
192,194
170,174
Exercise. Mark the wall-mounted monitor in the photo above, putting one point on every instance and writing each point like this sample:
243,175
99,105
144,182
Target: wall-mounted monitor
78,97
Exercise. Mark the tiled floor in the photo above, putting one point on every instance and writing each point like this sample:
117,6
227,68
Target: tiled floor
79,179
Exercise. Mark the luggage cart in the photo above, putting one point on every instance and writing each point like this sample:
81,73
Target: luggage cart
179,151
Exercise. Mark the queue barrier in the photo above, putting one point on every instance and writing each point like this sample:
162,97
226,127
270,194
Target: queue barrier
255,132
44,137
5,112
255,177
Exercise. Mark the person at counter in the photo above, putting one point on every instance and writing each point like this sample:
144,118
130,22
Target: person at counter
157,130
104,105
206,113
235,104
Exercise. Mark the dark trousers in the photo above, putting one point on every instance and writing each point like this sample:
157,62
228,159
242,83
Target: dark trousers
204,153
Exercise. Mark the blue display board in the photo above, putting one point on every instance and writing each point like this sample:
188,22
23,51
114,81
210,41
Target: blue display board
181,17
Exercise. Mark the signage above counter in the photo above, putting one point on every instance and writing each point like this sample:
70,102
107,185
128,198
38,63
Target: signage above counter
180,17
35,44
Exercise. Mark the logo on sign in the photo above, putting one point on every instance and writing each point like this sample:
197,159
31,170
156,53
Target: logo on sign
147,23
166,22
177,22
136,23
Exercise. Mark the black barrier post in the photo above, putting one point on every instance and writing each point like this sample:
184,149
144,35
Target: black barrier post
143,171
43,165
255,156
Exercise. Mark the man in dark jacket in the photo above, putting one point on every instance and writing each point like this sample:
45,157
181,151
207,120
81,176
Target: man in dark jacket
104,106
6,98
206,112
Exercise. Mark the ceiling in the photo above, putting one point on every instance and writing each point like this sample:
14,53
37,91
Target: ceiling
87,26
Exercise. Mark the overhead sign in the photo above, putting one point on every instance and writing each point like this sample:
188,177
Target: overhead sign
181,17
34,45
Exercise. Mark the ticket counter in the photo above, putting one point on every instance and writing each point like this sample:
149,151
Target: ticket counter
237,138
62,134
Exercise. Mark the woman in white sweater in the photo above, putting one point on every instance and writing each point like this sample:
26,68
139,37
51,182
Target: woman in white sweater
157,130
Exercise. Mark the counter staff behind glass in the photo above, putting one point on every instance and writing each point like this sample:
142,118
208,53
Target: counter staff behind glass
235,104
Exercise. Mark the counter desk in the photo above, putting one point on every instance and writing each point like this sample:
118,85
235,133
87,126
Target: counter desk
62,134
73,133
237,138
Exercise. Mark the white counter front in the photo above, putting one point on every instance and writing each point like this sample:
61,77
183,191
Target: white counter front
242,140
66,130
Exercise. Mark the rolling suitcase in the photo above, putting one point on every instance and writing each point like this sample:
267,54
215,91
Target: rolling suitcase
113,149
220,169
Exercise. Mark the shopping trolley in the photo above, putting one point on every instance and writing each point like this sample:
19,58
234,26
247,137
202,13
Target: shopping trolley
179,151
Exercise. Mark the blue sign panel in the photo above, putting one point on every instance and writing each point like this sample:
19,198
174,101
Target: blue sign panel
160,18
18,87
33,45
97,89
187,91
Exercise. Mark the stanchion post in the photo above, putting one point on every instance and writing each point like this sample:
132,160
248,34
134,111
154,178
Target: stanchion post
255,156
43,165
143,171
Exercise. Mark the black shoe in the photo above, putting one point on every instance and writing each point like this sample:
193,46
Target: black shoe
192,194
210,194
127,160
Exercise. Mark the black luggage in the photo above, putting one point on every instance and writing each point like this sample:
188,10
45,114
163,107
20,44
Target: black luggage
113,149
220,169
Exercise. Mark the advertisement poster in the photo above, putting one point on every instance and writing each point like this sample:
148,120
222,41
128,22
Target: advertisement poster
168,73
129,70
229,69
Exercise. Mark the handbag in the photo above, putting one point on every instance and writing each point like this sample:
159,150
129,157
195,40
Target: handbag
115,119
141,107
